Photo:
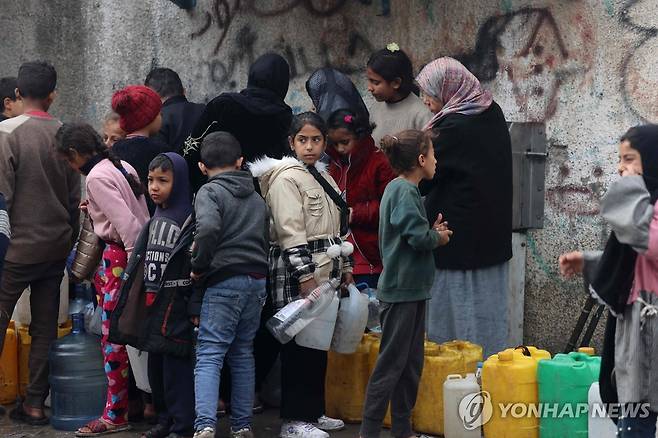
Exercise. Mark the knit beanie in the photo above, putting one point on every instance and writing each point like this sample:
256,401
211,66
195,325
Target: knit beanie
137,106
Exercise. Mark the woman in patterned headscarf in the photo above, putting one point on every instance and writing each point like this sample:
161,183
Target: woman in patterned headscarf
472,188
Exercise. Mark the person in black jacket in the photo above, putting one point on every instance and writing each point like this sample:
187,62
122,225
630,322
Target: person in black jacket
257,116
472,188
179,115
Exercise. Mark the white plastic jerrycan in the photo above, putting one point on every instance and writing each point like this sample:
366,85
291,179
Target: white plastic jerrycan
351,322
455,388
319,332
598,424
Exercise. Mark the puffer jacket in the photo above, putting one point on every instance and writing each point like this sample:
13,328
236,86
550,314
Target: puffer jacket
300,210
363,175
164,327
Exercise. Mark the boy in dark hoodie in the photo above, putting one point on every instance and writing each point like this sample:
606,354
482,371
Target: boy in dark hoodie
171,377
229,260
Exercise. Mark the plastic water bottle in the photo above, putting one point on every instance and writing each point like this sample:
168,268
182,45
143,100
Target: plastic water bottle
290,320
78,382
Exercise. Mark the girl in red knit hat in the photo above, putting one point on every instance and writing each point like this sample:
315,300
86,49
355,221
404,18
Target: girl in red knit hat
139,108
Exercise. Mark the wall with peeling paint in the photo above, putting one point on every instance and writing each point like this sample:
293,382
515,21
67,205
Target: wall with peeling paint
586,68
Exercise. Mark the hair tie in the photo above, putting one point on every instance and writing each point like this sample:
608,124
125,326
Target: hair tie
348,118
123,171
393,47
395,138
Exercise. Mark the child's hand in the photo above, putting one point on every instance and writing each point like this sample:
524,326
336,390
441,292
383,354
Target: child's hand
306,287
195,321
346,280
194,276
441,227
571,264
444,237
439,224
84,206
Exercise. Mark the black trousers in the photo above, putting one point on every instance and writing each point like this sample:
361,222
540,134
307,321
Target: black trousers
172,386
303,372
44,280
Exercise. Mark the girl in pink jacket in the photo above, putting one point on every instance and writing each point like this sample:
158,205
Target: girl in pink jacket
117,208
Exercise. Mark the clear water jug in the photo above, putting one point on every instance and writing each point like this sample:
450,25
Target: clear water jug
351,322
290,320
78,383
319,332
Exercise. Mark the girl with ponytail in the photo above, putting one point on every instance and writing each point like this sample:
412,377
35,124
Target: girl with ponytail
117,208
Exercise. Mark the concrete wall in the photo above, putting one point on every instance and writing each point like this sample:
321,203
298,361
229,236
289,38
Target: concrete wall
585,68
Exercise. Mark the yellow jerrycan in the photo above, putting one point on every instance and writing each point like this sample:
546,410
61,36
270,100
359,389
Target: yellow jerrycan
532,352
24,346
346,382
440,362
510,378
472,354
9,366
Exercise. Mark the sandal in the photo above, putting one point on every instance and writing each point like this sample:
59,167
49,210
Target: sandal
159,431
99,427
19,414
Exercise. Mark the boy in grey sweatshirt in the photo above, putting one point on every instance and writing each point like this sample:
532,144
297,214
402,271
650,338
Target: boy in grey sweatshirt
229,260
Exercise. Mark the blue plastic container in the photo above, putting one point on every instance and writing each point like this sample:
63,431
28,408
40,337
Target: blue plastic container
78,385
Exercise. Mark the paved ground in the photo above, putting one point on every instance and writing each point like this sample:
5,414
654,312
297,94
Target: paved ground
266,425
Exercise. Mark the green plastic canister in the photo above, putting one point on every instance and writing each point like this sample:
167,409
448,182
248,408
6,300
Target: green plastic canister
564,382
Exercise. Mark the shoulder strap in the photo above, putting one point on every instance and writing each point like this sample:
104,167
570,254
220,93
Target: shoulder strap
338,200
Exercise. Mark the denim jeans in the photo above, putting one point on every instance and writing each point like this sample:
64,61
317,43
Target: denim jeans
230,316
637,427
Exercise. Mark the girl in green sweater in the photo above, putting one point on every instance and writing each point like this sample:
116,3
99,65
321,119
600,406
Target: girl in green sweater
406,242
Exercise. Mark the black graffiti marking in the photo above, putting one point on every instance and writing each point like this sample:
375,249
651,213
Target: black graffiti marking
223,12
483,60
646,34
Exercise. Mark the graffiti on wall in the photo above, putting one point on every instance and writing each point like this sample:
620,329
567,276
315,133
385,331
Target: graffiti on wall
341,45
639,85
535,53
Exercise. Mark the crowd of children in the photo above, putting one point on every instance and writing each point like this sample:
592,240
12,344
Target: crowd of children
214,217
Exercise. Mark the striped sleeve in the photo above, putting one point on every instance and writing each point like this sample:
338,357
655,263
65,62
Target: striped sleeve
5,230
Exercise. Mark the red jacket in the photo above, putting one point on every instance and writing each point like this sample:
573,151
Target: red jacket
364,174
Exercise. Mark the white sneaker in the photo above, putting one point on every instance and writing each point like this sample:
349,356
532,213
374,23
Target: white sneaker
330,424
206,432
299,429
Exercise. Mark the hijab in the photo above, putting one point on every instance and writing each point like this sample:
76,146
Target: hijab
179,204
447,80
267,86
331,90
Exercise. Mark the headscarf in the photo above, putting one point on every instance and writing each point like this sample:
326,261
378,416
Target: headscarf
267,86
615,272
179,204
331,90
447,80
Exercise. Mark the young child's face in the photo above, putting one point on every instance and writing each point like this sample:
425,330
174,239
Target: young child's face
112,133
427,163
630,161
160,184
381,89
342,140
308,144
